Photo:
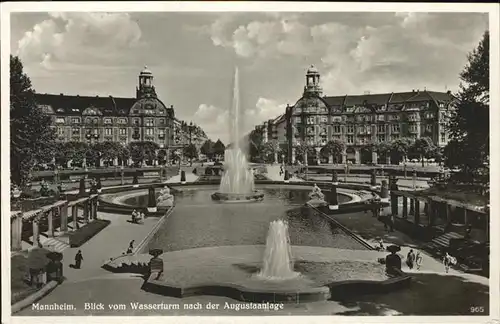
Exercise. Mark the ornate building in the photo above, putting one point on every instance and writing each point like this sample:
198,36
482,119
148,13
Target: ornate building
359,121
123,120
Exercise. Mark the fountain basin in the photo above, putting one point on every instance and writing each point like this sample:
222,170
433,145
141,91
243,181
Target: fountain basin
238,198
219,271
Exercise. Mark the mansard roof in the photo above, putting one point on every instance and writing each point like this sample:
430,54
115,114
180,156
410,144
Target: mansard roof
105,106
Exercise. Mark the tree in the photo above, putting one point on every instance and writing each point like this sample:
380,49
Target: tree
304,150
219,148
468,148
207,149
191,152
140,151
71,151
400,148
423,146
108,151
382,148
32,139
333,148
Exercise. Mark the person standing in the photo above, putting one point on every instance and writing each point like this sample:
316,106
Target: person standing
418,260
134,216
468,231
391,223
410,259
130,247
78,259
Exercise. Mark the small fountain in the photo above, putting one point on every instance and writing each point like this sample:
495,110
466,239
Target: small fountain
237,184
278,262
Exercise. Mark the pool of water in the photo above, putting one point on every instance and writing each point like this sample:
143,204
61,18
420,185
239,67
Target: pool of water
197,221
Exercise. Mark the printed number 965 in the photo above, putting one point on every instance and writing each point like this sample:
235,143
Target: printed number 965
476,309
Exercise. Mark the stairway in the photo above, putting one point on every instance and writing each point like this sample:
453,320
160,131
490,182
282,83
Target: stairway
53,244
443,241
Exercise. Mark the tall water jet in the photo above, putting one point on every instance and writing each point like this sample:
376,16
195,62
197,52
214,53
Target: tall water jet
278,262
237,183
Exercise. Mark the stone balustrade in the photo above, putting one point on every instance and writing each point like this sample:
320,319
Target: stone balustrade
59,209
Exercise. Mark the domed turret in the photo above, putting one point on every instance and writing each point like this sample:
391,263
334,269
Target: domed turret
312,82
146,88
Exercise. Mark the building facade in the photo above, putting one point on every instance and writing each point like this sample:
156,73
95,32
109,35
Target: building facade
359,121
124,120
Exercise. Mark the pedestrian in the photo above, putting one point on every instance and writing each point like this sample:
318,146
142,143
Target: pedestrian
78,259
130,247
418,260
142,217
447,261
410,259
134,215
391,223
381,245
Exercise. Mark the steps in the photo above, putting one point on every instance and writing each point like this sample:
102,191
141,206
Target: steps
443,241
54,244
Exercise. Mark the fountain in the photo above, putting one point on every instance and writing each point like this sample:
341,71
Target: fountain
237,184
278,262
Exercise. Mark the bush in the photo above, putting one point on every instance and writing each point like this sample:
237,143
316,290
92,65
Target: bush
82,235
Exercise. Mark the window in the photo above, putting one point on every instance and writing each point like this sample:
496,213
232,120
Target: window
108,131
324,119
428,128
350,129
149,122
394,137
60,120
95,120
361,130
350,139
161,121
381,128
161,131
336,129
149,131
413,128
368,129
441,105
95,131
443,137
60,131
310,120
297,120
123,131
75,131
381,138
381,117
75,120
108,121
136,121
122,121
395,128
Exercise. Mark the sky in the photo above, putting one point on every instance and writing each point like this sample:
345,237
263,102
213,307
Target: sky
193,56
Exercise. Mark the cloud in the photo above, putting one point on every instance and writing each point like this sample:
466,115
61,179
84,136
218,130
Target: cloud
216,121
79,38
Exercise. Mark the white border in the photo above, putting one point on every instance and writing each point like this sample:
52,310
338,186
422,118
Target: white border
492,9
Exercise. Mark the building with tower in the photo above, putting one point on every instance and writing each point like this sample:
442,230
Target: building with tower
125,120
361,122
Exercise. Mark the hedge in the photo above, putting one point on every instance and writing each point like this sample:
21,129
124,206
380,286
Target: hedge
85,233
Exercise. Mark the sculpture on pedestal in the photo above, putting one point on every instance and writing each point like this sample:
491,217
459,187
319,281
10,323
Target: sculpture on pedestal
165,200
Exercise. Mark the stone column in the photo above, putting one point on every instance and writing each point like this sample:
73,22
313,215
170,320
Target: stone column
16,227
387,159
405,207
330,159
36,231
374,157
115,161
96,205
356,156
63,212
318,159
74,214
276,157
84,163
86,211
50,220
412,206
417,211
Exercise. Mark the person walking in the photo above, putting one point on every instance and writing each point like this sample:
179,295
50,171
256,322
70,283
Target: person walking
130,247
410,259
391,223
418,260
134,215
448,260
78,259
468,232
